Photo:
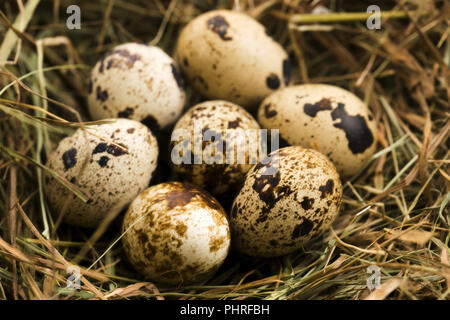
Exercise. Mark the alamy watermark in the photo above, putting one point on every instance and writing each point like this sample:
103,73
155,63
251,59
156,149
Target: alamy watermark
374,277
374,21
74,20
73,281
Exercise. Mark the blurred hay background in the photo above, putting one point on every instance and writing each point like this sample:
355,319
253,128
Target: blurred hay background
395,212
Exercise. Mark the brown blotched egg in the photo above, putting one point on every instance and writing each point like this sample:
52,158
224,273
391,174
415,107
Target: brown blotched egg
112,173
324,117
220,140
138,82
228,55
176,233
286,202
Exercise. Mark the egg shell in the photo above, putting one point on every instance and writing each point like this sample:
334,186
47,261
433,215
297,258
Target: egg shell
324,117
138,82
111,176
226,119
276,213
176,233
228,55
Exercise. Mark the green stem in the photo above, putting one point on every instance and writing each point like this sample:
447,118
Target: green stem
348,16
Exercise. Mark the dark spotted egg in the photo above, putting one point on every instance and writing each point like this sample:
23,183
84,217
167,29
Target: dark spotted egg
326,118
216,142
138,82
229,55
111,163
176,233
285,202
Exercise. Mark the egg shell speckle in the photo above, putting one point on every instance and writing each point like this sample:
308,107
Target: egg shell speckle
224,118
176,233
324,117
276,214
138,82
228,55
111,176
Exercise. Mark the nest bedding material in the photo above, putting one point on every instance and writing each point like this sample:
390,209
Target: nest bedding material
395,211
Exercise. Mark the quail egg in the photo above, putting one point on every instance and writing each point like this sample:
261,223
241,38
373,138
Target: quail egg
285,201
112,163
176,233
138,82
324,117
228,55
216,143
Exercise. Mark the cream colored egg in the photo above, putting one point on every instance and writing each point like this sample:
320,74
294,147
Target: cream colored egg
220,140
112,172
138,82
176,233
228,55
324,117
276,212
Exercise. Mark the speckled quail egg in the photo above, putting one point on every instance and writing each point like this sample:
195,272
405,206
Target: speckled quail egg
138,82
228,55
324,117
176,233
216,143
285,202
111,163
